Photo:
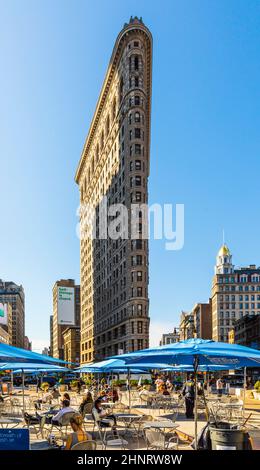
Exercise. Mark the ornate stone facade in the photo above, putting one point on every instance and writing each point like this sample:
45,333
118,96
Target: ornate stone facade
114,166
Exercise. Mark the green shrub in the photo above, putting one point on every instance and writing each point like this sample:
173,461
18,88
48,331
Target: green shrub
74,383
257,386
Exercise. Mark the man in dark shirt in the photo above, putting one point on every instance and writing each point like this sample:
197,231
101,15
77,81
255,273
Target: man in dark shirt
188,392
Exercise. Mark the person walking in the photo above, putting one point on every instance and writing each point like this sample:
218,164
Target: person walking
188,392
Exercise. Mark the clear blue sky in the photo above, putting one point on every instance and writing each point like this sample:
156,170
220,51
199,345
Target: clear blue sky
205,139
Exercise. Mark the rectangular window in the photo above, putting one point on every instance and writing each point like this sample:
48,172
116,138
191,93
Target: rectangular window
137,133
138,149
139,327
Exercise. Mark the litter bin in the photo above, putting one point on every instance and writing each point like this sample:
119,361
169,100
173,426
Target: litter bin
225,437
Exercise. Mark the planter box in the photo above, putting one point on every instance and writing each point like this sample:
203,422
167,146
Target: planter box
256,395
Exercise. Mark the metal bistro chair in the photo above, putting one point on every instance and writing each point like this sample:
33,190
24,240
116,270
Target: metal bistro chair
87,414
85,445
16,406
115,442
142,422
156,439
36,424
2,408
65,422
102,429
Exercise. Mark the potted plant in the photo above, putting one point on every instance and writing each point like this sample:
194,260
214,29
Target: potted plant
45,387
62,386
256,392
74,385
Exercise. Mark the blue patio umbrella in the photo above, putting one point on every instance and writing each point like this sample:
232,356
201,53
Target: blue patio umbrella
111,365
196,352
33,367
12,354
27,366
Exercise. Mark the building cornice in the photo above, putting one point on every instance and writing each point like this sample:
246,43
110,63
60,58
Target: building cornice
112,67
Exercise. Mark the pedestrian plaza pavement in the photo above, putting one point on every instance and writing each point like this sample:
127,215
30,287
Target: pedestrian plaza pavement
165,418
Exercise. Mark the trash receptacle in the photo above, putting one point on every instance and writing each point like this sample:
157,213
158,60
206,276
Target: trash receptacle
225,437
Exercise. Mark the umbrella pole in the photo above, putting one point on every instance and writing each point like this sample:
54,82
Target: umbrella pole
244,392
23,390
195,365
12,381
129,389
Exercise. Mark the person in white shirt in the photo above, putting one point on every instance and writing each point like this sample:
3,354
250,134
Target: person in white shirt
219,386
57,419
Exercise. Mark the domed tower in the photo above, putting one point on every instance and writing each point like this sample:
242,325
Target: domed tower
224,261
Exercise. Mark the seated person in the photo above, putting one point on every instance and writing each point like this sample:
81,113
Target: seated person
65,396
113,395
103,396
78,434
87,399
57,419
46,398
102,417
169,385
163,390
55,393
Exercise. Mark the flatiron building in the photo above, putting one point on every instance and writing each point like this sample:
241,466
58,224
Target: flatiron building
114,168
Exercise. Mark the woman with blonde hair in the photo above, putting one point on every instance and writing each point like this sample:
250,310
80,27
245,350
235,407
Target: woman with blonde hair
78,434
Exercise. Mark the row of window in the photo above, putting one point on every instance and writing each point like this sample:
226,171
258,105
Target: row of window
240,297
240,288
241,306
242,278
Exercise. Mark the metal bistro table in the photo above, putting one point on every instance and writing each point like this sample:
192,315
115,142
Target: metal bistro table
107,404
161,425
10,423
129,419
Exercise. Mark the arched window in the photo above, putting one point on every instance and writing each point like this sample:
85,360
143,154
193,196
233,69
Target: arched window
137,117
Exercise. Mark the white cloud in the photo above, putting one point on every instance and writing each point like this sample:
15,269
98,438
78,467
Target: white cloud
157,329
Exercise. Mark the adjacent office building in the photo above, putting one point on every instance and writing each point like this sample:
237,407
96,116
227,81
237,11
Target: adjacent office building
202,320
51,336
197,323
27,343
187,327
66,312
71,339
45,351
235,293
5,322
246,331
13,294
114,169
170,338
